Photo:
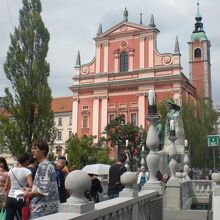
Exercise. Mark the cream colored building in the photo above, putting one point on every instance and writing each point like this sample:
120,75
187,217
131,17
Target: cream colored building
62,108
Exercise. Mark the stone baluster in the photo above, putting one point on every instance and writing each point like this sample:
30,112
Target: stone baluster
127,154
172,152
77,182
142,157
186,161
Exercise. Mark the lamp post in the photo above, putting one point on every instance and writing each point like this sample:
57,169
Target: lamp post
152,140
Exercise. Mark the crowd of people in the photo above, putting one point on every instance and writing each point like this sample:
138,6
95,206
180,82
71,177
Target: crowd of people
35,178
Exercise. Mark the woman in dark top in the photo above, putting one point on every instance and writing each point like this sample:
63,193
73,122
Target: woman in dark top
95,189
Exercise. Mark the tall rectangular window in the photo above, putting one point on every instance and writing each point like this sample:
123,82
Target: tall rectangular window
85,121
111,117
70,132
70,120
134,119
59,135
123,61
59,121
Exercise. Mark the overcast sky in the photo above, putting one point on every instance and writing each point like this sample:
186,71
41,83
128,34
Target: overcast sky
74,23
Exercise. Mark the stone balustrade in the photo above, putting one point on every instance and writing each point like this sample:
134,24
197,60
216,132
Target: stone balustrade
201,188
131,205
146,206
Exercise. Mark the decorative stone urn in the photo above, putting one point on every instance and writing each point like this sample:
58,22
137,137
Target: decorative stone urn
77,182
129,180
186,166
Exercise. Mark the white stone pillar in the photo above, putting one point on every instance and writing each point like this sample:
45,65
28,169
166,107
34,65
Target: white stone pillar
106,44
95,120
151,50
131,60
75,107
116,63
141,110
104,116
98,53
142,38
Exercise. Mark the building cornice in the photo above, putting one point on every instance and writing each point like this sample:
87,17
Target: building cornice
138,71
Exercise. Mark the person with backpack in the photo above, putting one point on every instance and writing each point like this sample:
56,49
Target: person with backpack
115,172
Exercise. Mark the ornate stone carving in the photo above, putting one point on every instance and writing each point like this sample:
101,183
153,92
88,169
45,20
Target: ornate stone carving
98,44
85,70
167,60
124,44
124,28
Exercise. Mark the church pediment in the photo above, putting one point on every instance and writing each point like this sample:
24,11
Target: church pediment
122,28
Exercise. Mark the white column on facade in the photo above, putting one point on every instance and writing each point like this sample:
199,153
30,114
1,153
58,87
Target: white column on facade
75,117
141,110
95,119
151,50
106,44
104,114
131,60
142,37
116,63
98,57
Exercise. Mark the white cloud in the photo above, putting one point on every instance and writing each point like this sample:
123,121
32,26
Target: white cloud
73,24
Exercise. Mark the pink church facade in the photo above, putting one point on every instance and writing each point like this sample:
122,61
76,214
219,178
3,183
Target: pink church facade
126,65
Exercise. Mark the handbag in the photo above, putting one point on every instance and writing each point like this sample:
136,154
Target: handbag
3,214
26,209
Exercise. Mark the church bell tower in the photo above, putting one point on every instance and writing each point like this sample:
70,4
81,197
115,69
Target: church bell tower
199,60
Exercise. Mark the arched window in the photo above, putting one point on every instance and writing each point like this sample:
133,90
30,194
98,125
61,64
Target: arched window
124,62
197,52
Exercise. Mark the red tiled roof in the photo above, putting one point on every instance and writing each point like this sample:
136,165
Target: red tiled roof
62,104
3,112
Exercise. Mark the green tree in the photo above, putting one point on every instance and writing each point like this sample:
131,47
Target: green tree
81,151
118,132
27,70
199,120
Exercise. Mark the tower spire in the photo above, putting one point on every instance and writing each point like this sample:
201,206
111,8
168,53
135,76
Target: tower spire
125,14
152,24
78,60
198,24
99,30
177,47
